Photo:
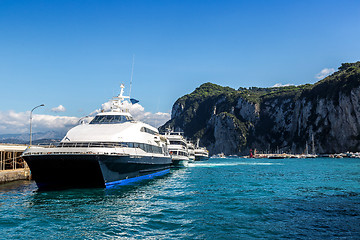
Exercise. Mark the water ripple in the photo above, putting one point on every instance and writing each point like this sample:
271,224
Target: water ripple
218,199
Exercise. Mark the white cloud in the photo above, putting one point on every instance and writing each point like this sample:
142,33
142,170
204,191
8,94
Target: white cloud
59,108
324,73
154,119
13,123
283,85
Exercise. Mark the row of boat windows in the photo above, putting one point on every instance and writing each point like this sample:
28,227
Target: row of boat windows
147,130
178,143
111,119
178,153
146,147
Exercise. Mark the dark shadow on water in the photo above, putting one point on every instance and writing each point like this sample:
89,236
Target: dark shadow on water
94,195
18,186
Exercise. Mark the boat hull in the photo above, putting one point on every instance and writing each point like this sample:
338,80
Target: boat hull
90,170
180,163
201,158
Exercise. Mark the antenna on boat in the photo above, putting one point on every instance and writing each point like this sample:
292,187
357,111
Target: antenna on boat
132,74
117,102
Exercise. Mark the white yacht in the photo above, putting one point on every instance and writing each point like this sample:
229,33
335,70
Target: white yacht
201,153
177,148
111,149
191,151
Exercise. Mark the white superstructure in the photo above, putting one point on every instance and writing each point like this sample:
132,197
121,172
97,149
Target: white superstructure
201,153
177,148
112,132
191,151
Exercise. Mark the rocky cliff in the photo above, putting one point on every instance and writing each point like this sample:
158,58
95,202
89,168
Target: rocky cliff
269,119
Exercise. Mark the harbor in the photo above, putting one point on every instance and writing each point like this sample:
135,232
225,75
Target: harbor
112,149
254,196
185,120
14,168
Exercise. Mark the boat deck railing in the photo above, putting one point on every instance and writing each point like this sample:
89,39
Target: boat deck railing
82,145
88,145
91,145
51,145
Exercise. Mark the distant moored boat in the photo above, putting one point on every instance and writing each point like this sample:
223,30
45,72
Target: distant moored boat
201,153
177,148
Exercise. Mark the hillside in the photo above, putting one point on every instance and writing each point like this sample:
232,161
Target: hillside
285,118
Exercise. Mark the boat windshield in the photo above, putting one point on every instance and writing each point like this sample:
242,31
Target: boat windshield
111,119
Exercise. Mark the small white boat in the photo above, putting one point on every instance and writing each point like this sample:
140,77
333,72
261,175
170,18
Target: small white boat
201,153
177,148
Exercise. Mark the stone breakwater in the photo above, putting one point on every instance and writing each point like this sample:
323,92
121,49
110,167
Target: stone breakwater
14,175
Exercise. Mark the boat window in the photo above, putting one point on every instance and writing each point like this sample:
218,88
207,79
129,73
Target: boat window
175,133
146,147
177,143
81,144
147,130
111,119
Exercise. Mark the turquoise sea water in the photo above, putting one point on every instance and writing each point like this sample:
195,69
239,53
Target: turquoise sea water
217,199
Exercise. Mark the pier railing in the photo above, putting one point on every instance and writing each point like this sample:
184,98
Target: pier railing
11,160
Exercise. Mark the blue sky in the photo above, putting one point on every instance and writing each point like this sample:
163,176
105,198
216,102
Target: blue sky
76,53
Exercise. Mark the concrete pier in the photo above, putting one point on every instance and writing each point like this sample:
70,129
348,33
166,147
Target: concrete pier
14,175
12,165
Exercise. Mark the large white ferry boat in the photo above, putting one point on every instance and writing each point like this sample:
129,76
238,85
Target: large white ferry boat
111,149
201,153
177,148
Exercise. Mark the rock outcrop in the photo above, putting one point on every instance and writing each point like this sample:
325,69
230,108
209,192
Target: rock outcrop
231,121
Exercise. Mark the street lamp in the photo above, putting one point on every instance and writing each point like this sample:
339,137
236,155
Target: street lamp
31,120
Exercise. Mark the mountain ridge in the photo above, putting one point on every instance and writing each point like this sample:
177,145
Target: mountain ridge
37,138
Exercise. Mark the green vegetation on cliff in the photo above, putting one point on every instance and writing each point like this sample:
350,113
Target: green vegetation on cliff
196,110
342,81
206,90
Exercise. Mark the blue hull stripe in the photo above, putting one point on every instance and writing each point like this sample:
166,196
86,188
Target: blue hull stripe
136,179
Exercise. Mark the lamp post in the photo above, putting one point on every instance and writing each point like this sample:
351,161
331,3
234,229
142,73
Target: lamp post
31,120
